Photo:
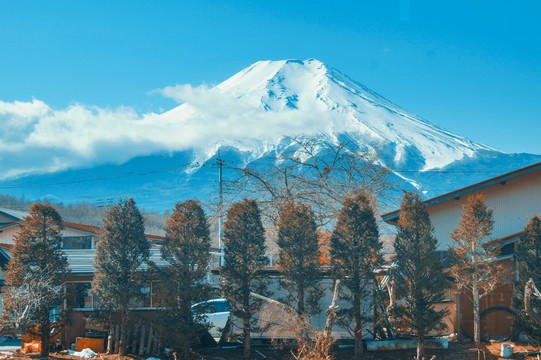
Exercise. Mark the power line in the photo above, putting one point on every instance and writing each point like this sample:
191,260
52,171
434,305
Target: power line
221,163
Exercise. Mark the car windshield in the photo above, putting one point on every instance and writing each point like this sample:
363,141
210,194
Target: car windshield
211,307
221,306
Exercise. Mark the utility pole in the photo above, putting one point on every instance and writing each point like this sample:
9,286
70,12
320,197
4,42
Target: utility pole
220,163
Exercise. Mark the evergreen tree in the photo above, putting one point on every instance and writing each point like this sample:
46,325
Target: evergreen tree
36,272
186,248
121,249
474,268
418,275
528,260
299,257
244,240
355,253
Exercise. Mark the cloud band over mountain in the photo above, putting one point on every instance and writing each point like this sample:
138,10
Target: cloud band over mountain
40,139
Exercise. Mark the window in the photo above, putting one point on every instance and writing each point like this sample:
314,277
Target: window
79,296
211,307
54,314
77,242
144,298
158,292
203,308
221,306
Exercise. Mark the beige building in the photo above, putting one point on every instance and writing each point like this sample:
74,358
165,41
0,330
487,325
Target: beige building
515,197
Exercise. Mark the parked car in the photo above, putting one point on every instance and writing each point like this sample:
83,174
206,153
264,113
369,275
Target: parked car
216,313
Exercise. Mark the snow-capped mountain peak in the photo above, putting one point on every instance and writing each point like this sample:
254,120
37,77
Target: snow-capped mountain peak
293,97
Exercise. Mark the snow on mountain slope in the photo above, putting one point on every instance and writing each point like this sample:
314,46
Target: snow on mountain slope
297,91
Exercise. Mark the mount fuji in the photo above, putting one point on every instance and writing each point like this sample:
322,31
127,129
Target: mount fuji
253,117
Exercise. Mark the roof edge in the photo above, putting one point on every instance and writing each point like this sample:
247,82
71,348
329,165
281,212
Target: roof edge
392,216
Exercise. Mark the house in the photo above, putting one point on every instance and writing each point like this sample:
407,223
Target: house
79,243
515,197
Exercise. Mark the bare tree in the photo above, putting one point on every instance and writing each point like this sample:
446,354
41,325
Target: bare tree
316,171
37,256
475,269
527,253
32,294
284,322
528,289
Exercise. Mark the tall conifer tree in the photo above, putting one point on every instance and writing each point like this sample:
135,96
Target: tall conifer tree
474,268
418,275
186,248
299,257
355,253
37,265
244,240
528,260
121,249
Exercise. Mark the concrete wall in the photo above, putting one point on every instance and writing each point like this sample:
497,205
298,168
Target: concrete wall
279,325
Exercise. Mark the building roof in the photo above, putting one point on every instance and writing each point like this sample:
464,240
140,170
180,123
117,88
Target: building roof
16,215
155,237
86,228
94,230
82,261
5,246
392,216
4,227
89,229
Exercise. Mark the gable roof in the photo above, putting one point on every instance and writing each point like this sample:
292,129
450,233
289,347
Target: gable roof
81,261
6,246
94,230
392,216
89,229
15,215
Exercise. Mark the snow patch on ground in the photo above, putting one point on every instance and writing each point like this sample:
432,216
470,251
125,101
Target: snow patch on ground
85,353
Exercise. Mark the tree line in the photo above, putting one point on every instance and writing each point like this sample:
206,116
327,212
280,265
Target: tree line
38,267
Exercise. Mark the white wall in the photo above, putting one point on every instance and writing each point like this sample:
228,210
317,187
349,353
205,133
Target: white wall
514,203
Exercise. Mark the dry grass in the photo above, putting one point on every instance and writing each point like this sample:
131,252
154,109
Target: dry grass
282,323
456,351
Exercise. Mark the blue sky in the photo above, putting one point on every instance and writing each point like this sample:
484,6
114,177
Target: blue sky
470,67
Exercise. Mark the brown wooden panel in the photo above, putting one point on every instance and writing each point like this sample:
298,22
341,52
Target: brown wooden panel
495,321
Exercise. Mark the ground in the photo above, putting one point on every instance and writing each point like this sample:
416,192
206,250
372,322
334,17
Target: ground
456,351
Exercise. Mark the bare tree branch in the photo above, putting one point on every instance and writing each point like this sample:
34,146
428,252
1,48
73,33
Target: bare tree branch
530,287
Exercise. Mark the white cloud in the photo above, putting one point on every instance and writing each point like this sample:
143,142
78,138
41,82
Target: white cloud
184,92
37,138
